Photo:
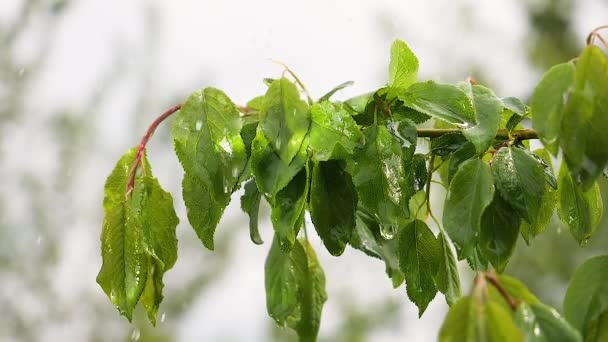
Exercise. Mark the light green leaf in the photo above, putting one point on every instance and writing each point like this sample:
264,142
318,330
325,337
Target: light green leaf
206,133
547,103
334,134
583,135
378,174
358,103
515,288
499,232
284,119
469,193
547,203
403,67
447,277
474,320
288,209
581,211
488,109
515,105
333,202
587,295
418,256
336,89
138,240
541,323
250,203
441,101
520,180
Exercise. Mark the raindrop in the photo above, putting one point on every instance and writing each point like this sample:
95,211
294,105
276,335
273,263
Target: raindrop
21,72
135,335
162,317
199,125
39,240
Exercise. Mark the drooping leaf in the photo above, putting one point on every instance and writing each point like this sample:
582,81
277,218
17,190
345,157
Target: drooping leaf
520,180
288,209
466,152
541,323
548,101
547,203
333,202
284,119
447,143
418,255
487,108
441,101
585,119
419,171
250,203
334,134
587,295
515,105
336,89
378,174
580,210
499,232
138,240
477,260
469,193
206,134
295,288
403,67
271,173
475,320
447,278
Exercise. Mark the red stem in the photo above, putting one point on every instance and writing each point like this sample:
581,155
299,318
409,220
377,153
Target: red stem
512,302
144,141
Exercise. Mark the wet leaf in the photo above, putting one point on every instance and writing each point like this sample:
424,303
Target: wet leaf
403,67
541,323
250,203
447,277
547,203
288,209
488,109
334,134
499,232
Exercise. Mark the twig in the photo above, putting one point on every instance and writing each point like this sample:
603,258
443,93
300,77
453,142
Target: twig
297,79
491,278
595,33
518,134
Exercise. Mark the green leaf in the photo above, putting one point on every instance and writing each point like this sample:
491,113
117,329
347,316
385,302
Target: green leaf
541,323
547,103
499,232
515,288
295,288
403,67
418,255
547,203
288,209
597,330
378,174
469,193
405,132
587,295
520,180
585,119
441,101
250,203
581,211
138,240
367,238
284,119
334,134
333,202
488,109
358,103
336,89
460,156
418,169
473,320
447,277
515,105
447,143
271,173
206,134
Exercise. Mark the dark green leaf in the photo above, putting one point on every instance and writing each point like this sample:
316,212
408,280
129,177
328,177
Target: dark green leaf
587,295
313,297
403,67
288,208
477,260
333,202
447,278
488,109
520,180
447,143
583,135
548,101
548,201
466,152
474,320
441,101
208,143
284,119
469,193
333,133
597,329
335,90
499,232
401,112
581,211
378,174
418,255
541,323
250,203
138,241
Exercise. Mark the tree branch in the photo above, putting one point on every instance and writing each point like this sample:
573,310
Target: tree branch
518,134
